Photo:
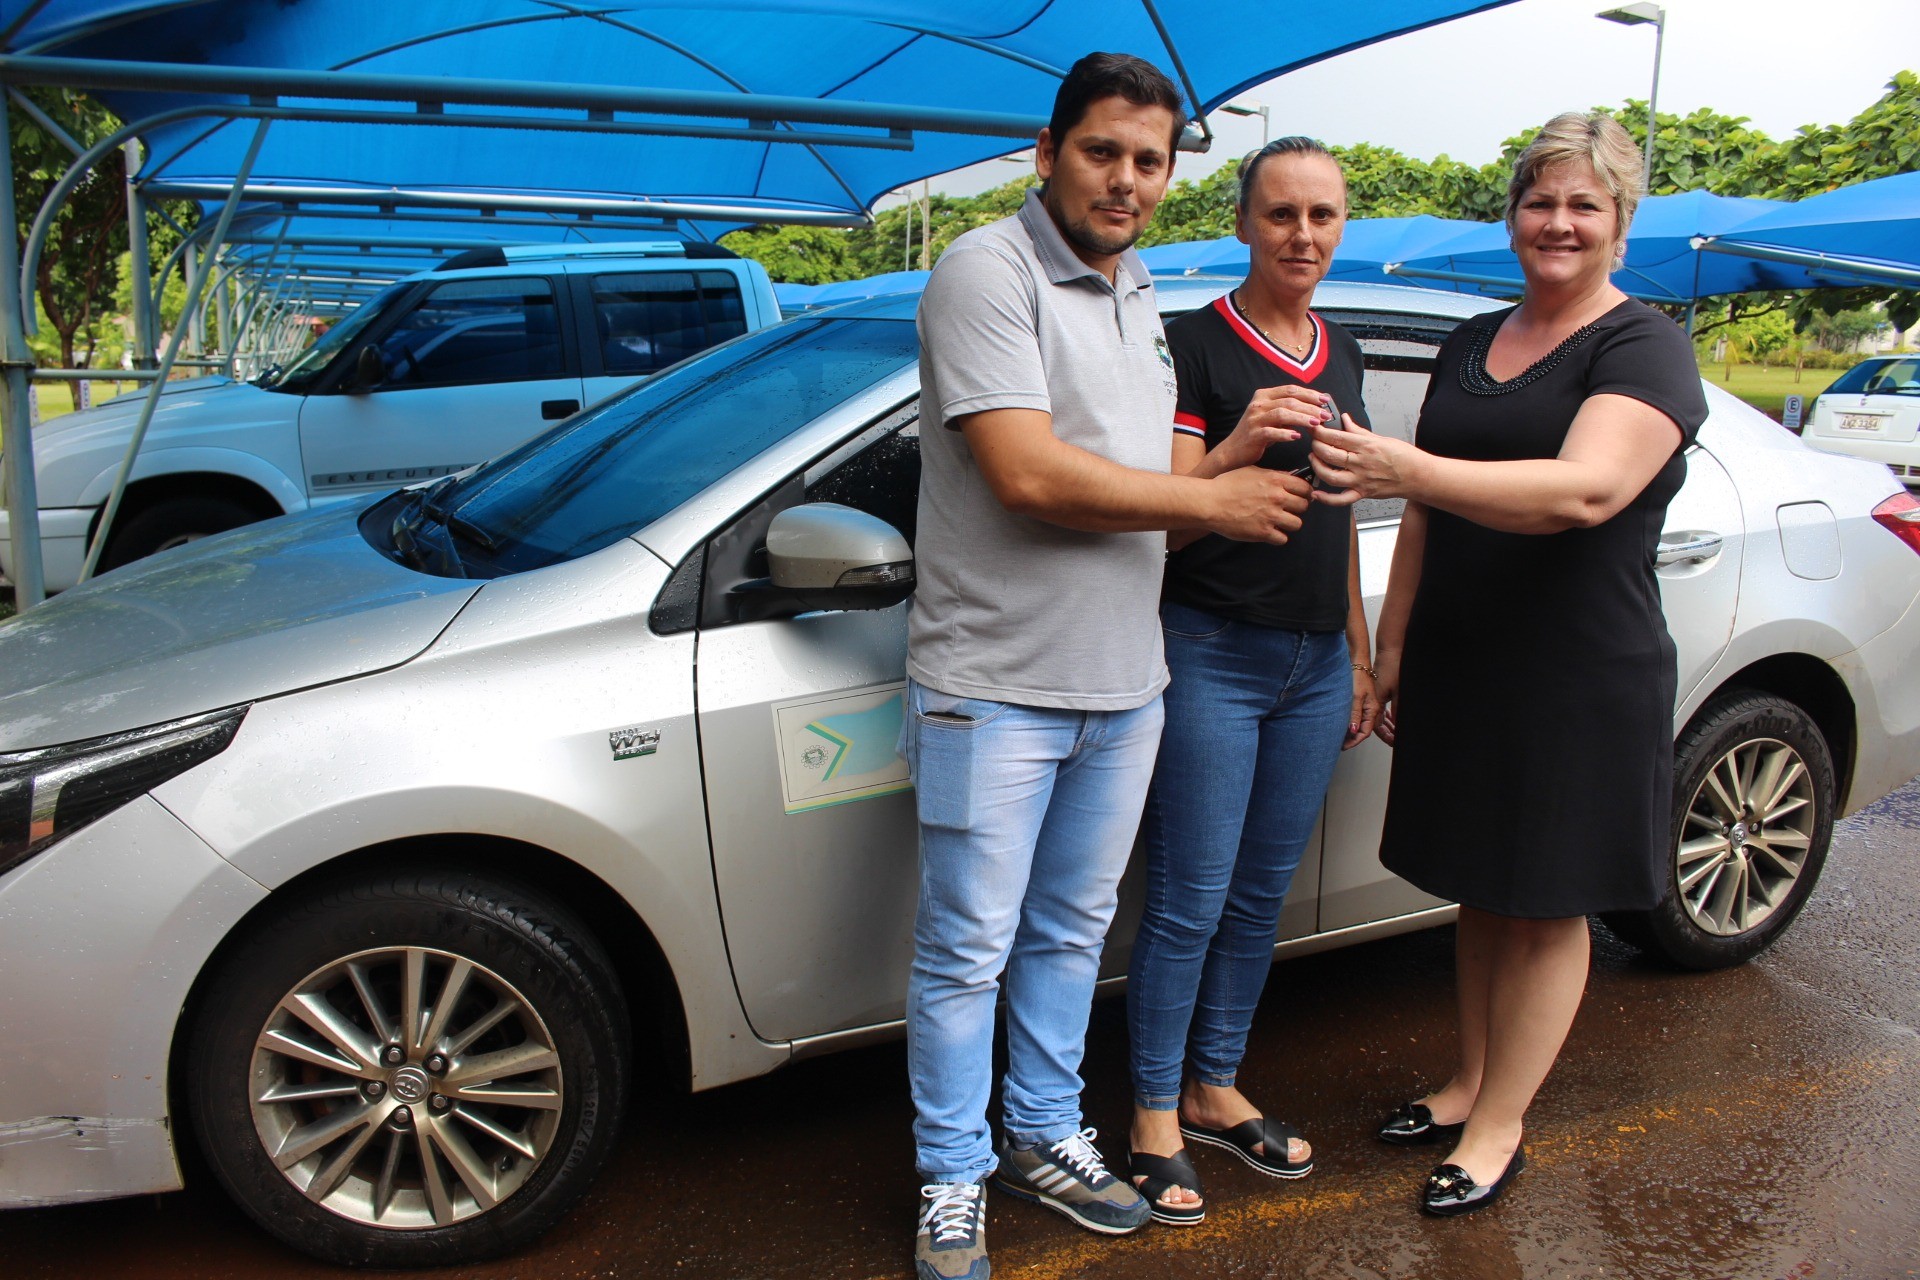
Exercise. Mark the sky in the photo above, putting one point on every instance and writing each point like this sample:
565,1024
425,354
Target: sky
1466,86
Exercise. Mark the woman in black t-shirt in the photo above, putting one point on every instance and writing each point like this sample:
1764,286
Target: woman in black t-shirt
1523,653
1267,649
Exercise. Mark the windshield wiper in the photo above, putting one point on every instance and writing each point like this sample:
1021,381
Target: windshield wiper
457,522
430,554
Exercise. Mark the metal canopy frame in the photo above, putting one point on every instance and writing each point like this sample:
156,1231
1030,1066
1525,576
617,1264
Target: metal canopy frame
262,292
263,265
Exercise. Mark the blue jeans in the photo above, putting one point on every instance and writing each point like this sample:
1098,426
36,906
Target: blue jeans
1027,818
1255,719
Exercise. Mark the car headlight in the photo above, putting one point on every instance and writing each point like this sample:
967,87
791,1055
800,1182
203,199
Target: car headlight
51,792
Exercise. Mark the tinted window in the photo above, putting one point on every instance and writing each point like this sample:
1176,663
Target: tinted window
469,331
882,480
1399,353
1863,377
1895,377
649,320
307,367
615,468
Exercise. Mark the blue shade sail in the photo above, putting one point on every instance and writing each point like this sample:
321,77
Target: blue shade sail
1875,223
1662,262
982,58
1367,245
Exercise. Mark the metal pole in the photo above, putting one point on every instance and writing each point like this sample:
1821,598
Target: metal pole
166,363
16,410
140,268
195,322
1653,97
223,307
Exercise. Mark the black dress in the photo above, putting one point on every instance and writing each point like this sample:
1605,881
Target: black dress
1532,775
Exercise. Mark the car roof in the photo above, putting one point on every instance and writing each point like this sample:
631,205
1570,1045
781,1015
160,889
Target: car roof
626,255
1180,294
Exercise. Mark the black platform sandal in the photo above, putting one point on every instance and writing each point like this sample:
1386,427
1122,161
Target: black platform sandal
1258,1132
1161,1174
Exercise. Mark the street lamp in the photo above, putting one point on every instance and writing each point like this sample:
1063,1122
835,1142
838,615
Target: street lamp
1634,15
1256,109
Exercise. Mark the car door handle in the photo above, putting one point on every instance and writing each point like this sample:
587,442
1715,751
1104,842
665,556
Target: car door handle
551,409
1691,547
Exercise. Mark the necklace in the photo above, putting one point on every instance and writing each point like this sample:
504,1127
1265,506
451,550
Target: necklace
1296,349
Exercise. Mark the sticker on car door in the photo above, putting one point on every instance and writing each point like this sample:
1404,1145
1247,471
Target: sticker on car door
842,748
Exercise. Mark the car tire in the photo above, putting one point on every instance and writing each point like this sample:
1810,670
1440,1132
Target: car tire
512,1086
1753,799
172,522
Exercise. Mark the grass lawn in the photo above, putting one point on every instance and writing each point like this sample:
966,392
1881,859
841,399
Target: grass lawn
1767,389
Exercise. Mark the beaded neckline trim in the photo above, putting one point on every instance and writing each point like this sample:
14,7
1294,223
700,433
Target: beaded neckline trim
1473,369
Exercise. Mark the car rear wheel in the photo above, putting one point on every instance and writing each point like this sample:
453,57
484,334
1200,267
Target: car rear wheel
1753,816
172,522
413,1070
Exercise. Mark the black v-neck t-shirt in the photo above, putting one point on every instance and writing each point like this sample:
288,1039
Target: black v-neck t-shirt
1221,362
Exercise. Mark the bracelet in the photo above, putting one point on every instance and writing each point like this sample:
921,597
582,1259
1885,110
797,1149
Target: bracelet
1361,666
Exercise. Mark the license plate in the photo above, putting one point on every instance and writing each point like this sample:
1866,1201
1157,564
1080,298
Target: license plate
1861,421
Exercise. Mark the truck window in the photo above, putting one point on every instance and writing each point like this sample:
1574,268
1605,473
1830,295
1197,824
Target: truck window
649,320
470,331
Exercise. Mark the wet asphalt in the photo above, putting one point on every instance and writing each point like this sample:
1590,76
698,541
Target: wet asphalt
1757,1122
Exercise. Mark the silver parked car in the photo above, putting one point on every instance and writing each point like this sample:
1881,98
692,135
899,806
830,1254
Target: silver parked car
369,848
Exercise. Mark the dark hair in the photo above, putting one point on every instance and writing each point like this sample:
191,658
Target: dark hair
1112,75
1293,145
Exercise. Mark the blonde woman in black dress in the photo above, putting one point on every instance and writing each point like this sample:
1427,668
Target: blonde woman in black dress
1521,649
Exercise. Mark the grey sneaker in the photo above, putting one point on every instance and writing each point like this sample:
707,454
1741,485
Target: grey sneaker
1069,1176
952,1244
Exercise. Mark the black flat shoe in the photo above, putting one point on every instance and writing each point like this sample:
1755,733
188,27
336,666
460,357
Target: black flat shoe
1412,1126
1451,1190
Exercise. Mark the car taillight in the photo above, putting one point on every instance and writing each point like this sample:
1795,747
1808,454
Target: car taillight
1901,513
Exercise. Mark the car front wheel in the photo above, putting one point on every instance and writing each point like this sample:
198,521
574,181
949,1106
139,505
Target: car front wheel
1753,816
169,523
413,1070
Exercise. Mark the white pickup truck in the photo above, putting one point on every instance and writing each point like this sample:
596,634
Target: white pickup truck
440,371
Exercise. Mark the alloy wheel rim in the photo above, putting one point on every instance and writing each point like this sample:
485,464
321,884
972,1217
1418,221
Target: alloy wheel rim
1748,831
405,1088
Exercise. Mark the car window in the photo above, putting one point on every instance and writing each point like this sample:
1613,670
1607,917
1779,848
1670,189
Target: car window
648,320
615,468
1399,353
883,479
1856,380
1895,377
472,331
306,368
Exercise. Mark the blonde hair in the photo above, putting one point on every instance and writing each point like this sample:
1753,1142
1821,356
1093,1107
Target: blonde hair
1594,139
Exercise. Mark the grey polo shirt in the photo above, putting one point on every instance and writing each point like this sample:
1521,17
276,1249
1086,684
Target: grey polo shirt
1008,607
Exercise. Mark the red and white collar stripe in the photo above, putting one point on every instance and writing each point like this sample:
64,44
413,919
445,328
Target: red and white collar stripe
1305,370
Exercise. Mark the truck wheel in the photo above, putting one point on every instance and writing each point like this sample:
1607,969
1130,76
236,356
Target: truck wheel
1752,818
172,522
409,1070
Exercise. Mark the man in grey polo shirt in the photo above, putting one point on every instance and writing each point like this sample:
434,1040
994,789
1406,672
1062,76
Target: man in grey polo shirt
1034,647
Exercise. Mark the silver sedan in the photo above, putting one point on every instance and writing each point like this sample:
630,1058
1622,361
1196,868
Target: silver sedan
373,849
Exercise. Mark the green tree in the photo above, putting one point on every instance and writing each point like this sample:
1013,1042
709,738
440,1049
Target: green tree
79,267
1881,141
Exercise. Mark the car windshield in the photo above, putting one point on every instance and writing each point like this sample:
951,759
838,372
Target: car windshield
311,363
623,464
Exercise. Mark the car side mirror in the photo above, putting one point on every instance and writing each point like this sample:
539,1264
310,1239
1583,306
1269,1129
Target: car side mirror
822,555
369,370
